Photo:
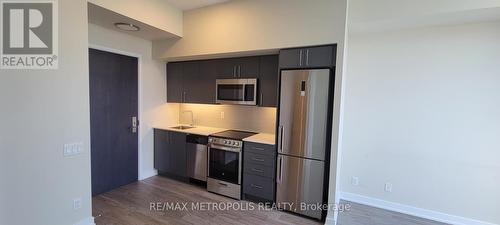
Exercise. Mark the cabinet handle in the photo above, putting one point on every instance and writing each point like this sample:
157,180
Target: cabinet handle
257,159
261,99
234,71
300,57
307,57
183,96
223,184
239,71
257,170
257,148
256,186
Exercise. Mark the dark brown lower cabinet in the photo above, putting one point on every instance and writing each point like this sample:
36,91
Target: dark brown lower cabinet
170,153
259,172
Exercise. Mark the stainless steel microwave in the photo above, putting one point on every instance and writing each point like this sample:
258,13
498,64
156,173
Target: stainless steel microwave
236,91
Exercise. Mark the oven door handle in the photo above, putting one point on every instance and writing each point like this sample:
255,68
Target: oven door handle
225,148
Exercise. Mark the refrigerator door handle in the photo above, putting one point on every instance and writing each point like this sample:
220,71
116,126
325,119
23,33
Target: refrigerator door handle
280,168
281,137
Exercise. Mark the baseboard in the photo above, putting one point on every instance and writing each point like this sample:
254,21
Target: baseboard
330,221
410,210
86,221
147,174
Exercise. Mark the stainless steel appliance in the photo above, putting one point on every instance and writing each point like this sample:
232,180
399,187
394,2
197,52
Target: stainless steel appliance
224,162
236,91
302,139
197,153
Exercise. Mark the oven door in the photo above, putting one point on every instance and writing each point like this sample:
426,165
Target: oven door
224,163
236,91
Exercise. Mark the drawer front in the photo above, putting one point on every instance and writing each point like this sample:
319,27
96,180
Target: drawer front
258,169
266,160
258,186
258,148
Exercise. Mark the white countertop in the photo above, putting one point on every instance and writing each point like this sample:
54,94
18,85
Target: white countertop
262,138
200,130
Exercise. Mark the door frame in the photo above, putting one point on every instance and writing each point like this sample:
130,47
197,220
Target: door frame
139,104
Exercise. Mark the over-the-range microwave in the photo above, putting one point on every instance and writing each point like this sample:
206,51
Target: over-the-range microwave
236,91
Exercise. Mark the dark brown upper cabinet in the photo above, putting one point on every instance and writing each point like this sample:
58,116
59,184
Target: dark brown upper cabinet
235,68
191,82
309,57
268,81
174,82
194,81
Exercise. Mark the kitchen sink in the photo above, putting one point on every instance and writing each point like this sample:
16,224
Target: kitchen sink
182,127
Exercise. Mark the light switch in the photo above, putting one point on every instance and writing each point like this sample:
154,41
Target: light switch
77,203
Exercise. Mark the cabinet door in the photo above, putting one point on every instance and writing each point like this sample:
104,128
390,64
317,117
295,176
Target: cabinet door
226,68
174,82
161,150
268,81
318,57
248,67
177,148
191,81
290,58
202,90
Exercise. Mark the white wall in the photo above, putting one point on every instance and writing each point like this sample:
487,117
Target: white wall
153,108
253,25
41,110
422,112
157,13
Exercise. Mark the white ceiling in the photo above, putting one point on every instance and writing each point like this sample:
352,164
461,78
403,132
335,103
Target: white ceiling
193,4
106,18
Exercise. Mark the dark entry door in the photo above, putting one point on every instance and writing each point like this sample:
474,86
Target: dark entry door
113,107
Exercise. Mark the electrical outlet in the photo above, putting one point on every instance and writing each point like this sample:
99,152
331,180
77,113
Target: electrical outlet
77,203
72,149
222,115
355,181
388,187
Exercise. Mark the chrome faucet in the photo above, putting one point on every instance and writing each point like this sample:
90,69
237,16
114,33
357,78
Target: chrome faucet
192,117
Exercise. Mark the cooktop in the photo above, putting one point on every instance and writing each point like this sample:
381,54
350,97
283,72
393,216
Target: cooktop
233,134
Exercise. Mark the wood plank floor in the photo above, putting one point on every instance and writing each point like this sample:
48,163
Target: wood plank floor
131,205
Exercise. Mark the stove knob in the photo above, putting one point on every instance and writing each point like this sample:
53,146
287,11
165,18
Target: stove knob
226,142
230,142
237,144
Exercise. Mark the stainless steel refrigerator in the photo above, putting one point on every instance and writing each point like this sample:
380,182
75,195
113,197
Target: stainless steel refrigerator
302,139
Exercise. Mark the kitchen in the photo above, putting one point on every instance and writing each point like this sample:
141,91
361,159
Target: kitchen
228,120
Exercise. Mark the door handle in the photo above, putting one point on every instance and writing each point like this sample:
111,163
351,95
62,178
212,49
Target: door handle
135,124
280,168
281,137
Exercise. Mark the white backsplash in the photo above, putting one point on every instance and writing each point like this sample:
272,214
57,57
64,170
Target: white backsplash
249,118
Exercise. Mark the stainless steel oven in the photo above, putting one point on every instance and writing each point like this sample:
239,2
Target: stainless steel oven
236,91
224,167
